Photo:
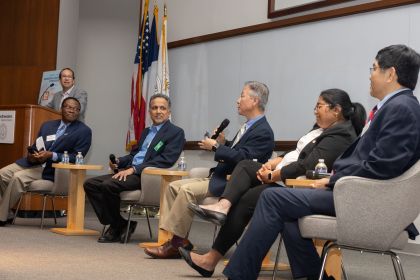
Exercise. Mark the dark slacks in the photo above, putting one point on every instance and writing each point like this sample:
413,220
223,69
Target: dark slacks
243,191
278,211
103,193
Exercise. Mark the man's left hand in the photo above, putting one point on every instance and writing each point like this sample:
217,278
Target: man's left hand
43,156
122,175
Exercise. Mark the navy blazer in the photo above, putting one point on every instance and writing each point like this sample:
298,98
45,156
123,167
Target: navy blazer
163,151
77,138
256,143
389,147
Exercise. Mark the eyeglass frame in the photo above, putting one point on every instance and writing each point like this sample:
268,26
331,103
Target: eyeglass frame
318,106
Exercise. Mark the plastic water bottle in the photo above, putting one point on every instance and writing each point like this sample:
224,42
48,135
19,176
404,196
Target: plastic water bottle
321,167
182,165
79,158
66,158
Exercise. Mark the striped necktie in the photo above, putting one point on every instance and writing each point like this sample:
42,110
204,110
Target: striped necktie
241,132
60,131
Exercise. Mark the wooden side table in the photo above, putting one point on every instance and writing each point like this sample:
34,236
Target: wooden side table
167,176
76,200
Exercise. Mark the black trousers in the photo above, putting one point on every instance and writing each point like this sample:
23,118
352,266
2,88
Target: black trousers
243,191
103,193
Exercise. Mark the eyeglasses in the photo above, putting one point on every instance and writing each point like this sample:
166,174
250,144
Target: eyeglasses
67,77
371,69
319,106
70,108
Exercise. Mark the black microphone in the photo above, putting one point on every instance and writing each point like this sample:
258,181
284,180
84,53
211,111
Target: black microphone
221,127
114,161
312,174
42,95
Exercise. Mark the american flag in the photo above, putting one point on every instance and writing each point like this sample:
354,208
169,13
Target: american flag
138,99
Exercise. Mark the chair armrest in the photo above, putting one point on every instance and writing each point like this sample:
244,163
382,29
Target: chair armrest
373,213
150,189
61,182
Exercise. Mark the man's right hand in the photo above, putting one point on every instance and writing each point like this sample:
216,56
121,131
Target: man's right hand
113,166
32,158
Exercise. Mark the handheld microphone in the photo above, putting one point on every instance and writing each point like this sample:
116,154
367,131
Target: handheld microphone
221,127
312,174
42,95
114,161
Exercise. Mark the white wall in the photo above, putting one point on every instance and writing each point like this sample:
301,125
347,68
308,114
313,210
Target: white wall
68,34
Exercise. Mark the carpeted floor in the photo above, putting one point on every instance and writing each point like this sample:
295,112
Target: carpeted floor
26,252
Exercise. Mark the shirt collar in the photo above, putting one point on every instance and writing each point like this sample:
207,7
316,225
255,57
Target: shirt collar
250,122
68,92
386,98
156,127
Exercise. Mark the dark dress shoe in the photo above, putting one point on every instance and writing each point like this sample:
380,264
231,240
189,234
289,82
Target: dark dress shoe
110,236
215,217
4,223
196,210
131,229
186,255
167,250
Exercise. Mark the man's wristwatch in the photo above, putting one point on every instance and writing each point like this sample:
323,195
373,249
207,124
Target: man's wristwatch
270,176
215,146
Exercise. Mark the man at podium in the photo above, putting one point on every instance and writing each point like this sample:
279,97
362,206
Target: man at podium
67,79
54,138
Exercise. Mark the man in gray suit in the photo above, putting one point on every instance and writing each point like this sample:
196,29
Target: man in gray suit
67,78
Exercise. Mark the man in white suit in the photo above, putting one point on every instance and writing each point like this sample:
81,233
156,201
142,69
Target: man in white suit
67,78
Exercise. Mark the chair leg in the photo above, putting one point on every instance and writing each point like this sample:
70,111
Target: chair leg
277,257
324,257
130,207
342,269
17,209
53,207
396,262
148,222
43,210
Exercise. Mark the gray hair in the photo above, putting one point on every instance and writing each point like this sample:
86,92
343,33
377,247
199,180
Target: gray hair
260,91
161,95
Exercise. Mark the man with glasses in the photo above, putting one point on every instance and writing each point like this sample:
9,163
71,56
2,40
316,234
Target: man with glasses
67,81
58,136
389,145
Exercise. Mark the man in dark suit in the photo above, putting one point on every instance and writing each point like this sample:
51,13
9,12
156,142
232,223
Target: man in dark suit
255,140
160,146
389,145
67,81
67,134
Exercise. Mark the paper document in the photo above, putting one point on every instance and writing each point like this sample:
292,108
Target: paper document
40,145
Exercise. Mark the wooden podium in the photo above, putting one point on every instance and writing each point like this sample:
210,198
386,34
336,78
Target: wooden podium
28,121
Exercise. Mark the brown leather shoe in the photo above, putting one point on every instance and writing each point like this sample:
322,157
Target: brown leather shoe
167,250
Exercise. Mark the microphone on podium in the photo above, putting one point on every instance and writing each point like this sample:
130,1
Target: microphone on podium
42,95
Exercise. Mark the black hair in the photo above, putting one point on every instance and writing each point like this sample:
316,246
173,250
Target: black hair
161,95
72,98
405,60
351,111
67,68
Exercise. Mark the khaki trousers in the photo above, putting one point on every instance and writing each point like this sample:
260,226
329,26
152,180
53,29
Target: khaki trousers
14,180
177,217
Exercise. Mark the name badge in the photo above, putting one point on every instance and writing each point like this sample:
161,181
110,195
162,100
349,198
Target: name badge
158,146
51,137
